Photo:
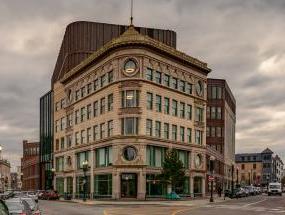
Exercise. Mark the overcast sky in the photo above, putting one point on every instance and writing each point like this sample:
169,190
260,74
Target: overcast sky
241,40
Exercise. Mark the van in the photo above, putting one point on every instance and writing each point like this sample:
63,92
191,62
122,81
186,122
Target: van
274,188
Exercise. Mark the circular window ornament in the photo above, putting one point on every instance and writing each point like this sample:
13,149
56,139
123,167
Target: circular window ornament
130,67
198,161
129,153
200,88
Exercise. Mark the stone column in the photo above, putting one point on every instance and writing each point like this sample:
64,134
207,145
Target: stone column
65,185
191,186
92,173
141,185
116,185
203,186
74,185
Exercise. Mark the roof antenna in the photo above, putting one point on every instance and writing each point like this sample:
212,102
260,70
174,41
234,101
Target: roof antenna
132,8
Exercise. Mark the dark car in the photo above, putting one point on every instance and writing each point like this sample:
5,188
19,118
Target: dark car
50,195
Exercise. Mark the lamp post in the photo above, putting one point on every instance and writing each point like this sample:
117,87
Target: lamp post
53,178
85,168
212,159
233,167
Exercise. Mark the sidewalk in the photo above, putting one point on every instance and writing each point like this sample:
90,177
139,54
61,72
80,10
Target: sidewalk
188,203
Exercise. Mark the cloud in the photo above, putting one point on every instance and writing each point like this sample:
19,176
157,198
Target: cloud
242,41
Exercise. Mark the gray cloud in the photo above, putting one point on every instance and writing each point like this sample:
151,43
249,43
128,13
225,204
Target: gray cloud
242,41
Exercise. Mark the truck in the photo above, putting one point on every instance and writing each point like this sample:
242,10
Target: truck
274,188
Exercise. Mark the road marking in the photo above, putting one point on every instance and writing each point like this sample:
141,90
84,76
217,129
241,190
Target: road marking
253,203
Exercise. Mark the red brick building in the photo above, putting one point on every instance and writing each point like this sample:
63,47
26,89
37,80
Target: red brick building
30,165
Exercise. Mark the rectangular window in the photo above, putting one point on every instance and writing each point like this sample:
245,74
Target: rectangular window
62,103
157,129
89,88
149,101
219,93
70,120
77,138
208,131
96,84
166,80
83,137
102,130
149,127
59,164
149,75
56,146
56,126
183,157
110,102
89,111
82,115
81,157
166,131
166,105
174,108
155,156
77,95
189,135
62,123
189,112
199,114
158,77
182,134
174,83
83,92
213,131
182,109
158,103
110,128
214,92
219,132
219,113
213,112
110,77
95,109
198,137
104,157
189,88
174,132
95,132
130,98
89,135
69,141
103,81
62,143
182,86
102,106
130,126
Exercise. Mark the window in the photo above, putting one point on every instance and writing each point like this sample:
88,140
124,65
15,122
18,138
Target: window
89,137
174,108
62,123
83,92
77,138
158,129
110,77
174,132
189,88
213,112
89,111
81,157
69,141
82,115
182,109
174,83
149,101
103,80
155,156
208,131
95,109
102,106
189,135
219,113
166,131
62,103
103,185
96,84
148,74
189,112
182,86
158,77
166,105
149,127
130,98
104,157
182,134
89,88
83,136
110,102
219,132
199,114
213,131
166,80
183,157
56,126
198,137
77,95
95,132
102,130
219,93
59,164
158,103
62,143
242,166
69,120
254,166
130,126
110,128
56,146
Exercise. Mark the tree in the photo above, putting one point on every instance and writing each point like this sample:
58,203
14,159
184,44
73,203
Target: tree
173,172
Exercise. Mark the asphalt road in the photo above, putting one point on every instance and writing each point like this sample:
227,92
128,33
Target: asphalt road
261,205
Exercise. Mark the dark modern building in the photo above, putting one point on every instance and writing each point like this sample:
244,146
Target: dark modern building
221,121
46,140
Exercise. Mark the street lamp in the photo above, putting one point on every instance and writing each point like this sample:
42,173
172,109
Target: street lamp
85,169
212,159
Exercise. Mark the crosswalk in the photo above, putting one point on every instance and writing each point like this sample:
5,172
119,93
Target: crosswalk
276,210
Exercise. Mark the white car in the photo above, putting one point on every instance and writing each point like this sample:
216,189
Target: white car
274,188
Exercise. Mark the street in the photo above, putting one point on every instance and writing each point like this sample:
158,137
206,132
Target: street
262,205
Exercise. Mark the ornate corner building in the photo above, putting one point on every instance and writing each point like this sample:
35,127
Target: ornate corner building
120,109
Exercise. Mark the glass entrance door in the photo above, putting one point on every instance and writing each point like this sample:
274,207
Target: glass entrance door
129,185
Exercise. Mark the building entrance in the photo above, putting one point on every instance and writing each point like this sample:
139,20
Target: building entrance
129,185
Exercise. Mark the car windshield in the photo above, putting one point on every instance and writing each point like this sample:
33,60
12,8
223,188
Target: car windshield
274,186
14,206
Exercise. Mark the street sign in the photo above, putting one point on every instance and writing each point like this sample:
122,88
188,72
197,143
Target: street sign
211,178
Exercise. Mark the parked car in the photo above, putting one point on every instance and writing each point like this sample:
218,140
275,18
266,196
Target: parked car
50,195
274,188
250,190
33,205
16,206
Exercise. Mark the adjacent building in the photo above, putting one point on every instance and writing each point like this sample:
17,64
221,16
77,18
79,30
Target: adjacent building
5,178
30,166
259,168
122,108
221,123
